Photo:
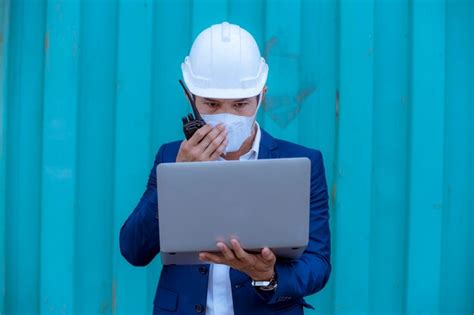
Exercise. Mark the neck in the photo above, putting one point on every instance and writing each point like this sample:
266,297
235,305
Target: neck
244,148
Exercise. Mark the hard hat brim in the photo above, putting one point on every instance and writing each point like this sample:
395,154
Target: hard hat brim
227,93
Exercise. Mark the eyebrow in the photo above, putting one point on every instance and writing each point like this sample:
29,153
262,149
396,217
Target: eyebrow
214,100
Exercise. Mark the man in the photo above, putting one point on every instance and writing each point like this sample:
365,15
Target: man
226,76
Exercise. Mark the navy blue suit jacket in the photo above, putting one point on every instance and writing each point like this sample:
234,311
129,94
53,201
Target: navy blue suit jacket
183,289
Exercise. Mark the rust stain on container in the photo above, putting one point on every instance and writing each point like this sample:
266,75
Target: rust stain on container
305,93
269,44
283,109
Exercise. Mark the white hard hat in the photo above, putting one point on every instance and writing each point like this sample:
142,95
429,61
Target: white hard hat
225,62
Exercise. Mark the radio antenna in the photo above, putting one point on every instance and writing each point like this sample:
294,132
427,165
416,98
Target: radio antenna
191,100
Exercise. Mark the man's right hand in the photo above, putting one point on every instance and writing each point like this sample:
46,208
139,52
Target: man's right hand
207,144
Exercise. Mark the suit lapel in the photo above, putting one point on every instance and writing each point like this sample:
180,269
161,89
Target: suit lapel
268,146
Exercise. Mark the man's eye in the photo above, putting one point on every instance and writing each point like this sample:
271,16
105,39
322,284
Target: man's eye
212,105
240,105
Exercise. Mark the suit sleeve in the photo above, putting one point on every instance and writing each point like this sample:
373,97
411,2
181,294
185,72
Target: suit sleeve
310,273
139,235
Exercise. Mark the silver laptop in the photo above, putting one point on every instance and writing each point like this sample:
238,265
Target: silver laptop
260,203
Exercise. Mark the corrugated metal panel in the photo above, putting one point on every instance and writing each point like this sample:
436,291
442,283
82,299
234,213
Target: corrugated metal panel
384,88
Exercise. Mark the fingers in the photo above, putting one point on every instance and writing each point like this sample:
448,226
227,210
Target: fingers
214,141
219,151
239,251
211,258
206,144
226,252
227,256
258,266
210,136
268,255
189,150
199,135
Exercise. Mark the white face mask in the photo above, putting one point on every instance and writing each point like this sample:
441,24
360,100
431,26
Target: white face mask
239,128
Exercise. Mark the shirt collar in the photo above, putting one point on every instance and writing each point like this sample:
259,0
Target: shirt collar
253,153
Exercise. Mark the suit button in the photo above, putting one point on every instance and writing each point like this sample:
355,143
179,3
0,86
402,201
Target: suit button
198,308
202,270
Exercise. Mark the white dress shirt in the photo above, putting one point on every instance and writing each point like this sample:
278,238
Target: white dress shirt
219,290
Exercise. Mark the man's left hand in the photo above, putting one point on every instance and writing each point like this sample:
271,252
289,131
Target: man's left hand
259,267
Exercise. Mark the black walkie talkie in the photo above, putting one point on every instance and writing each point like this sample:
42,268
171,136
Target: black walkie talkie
191,123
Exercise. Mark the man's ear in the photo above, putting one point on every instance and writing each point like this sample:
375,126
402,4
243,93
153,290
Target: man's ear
265,90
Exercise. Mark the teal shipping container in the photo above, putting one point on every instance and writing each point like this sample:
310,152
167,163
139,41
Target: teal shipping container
384,88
